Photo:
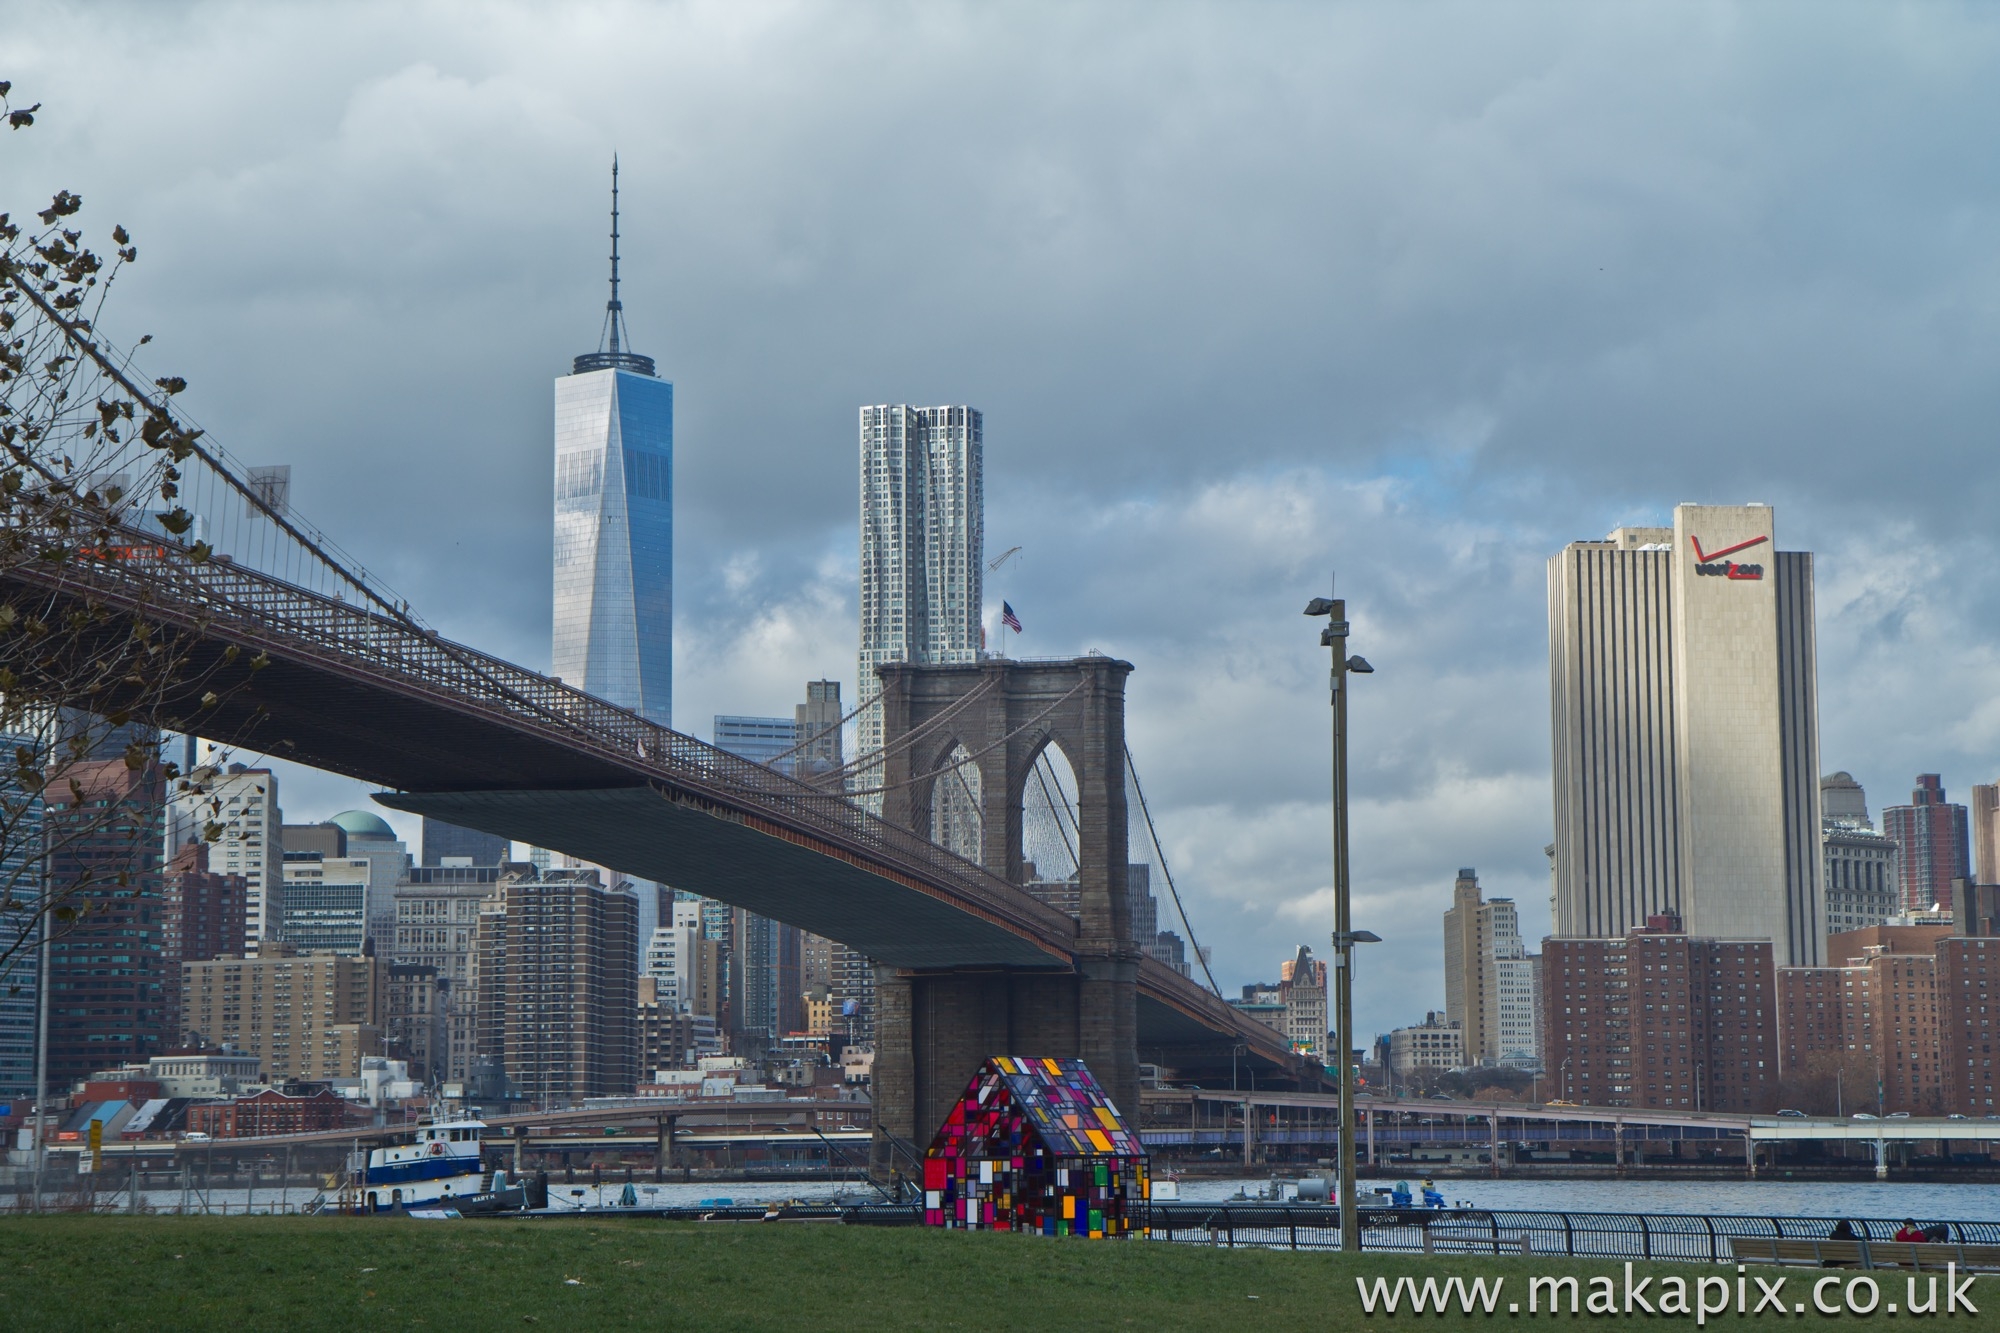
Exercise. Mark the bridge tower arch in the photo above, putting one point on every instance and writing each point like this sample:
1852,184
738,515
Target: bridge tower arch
933,1027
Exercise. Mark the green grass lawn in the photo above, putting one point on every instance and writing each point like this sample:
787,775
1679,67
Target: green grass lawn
233,1274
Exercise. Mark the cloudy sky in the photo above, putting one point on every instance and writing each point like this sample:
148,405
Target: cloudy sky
1248,294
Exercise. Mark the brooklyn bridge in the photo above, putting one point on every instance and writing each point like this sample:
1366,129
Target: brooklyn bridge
305,656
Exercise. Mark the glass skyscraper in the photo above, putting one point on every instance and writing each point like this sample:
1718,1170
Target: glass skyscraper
614,552
20,978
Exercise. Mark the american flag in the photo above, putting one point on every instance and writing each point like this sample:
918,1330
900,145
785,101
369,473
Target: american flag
1009,619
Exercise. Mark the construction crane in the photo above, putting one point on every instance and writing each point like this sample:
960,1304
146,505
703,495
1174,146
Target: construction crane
993,565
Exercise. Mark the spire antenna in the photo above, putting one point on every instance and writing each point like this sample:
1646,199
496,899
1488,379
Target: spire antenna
614,310
611,345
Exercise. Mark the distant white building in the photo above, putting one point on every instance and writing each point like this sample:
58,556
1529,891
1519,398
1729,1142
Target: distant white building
671,957
1302,990
1438,1043
243,803
1860,863
326,903
1489,977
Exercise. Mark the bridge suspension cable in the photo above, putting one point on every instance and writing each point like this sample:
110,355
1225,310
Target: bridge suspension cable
877,758
828,730
1043,772
978,754
1168,874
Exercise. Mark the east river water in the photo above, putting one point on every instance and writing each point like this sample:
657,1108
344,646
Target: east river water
1764,1198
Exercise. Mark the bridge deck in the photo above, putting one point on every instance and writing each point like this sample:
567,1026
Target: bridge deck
484,743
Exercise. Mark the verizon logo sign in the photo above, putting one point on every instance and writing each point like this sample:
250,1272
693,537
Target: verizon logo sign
1713,564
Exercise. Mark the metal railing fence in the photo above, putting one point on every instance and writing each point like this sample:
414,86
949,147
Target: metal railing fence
1479,1231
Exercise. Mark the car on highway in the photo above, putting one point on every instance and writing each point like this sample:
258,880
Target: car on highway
1863,1115
1899,1115
1788,1111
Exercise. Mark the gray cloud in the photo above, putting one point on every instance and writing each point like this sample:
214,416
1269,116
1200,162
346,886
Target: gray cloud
1420,292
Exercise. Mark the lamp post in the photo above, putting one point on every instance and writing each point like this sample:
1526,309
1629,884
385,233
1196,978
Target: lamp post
1345,937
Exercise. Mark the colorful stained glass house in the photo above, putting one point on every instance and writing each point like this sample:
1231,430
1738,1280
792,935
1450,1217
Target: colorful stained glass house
1035,1145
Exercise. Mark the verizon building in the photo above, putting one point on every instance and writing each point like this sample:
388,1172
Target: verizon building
1686,728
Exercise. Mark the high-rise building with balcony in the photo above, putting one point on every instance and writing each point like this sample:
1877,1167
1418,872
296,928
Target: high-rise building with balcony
558,984
1686,732
614,533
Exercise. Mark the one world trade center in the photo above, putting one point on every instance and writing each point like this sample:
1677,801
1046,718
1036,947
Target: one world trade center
614,554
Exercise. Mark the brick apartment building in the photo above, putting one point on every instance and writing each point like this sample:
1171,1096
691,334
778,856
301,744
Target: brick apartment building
1904,1013
270,1112
1877,1003
305,1016
1660,1019
203,918
557,977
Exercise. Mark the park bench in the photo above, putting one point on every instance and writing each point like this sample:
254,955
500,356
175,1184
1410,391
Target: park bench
1811,1252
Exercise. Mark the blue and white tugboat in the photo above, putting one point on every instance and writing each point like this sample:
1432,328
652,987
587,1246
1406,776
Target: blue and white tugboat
440,1169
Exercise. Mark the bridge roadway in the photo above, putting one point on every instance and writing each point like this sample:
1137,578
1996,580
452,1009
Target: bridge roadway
1582,1122
477,741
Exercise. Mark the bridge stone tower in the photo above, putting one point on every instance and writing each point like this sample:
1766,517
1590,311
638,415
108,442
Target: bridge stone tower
933,1028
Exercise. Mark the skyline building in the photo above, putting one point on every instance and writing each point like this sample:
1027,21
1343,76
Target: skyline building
1933,846
1860,863
1684,705
106,831
244,802
1489,977
437,924
304,1016
326,903
758,739
613,632
816,725
1302,990
370,838
558,983
923,544
1661,1018
449,844
672,956
20,980
1985,820
201,918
